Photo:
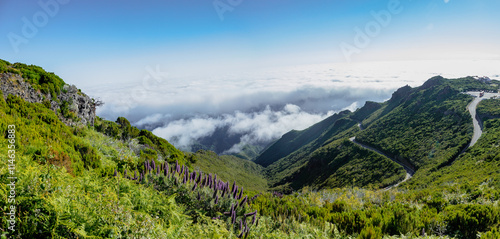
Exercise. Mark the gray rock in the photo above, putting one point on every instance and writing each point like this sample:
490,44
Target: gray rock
79,103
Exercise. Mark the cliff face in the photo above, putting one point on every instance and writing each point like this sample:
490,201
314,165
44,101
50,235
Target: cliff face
72,106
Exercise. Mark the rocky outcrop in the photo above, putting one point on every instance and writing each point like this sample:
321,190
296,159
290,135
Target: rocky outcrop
72,106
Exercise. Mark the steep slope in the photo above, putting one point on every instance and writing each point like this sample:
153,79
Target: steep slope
295,140
230,168
478,166
109,180
421,127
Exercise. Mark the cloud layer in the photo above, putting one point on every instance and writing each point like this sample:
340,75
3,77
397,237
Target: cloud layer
253,128
262,105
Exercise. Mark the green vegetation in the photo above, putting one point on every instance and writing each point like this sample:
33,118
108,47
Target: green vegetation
488,109
116,181
46,82
343,163
430,126
230,168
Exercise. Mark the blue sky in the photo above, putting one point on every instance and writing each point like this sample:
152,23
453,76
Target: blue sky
188,34
184,68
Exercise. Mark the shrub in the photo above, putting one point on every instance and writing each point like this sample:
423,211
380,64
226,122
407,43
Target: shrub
467,220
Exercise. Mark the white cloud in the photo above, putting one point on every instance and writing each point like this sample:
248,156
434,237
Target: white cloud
446,1
183,109
256,127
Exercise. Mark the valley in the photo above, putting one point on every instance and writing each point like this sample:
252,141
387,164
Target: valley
423,164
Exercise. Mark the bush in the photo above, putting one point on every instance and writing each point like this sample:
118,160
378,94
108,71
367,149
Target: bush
89,155
467,220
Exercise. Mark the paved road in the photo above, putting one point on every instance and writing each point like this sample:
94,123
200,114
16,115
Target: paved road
472,110
476,135
409,171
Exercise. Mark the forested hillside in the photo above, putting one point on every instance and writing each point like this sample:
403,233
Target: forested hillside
109,179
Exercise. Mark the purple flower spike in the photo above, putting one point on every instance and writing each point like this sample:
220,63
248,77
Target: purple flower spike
216,199
253,218
116,173
233,217
153,164
241,192
243,201
215,194
235,191
251,213
135,174
194,186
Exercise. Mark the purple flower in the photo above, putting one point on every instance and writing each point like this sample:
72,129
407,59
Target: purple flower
235,191
243,201
241,192
232,188
241,229
200,175
116,173
194,186
233,217
253,218
216,199
215,193
251,213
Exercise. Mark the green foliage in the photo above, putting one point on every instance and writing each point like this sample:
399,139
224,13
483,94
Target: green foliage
488,109
467,220
431,126
47,82
65,187
230,168
89,155
343,163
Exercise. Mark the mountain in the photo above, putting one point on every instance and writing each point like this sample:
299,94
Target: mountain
400,168
421,128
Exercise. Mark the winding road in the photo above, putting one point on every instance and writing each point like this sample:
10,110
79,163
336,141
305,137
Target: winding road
472,110
476,134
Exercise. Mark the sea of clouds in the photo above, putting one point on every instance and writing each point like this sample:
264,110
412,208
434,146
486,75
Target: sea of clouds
260,106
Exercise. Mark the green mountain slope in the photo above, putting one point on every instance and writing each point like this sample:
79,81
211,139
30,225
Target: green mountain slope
231,168
109,179
422,127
